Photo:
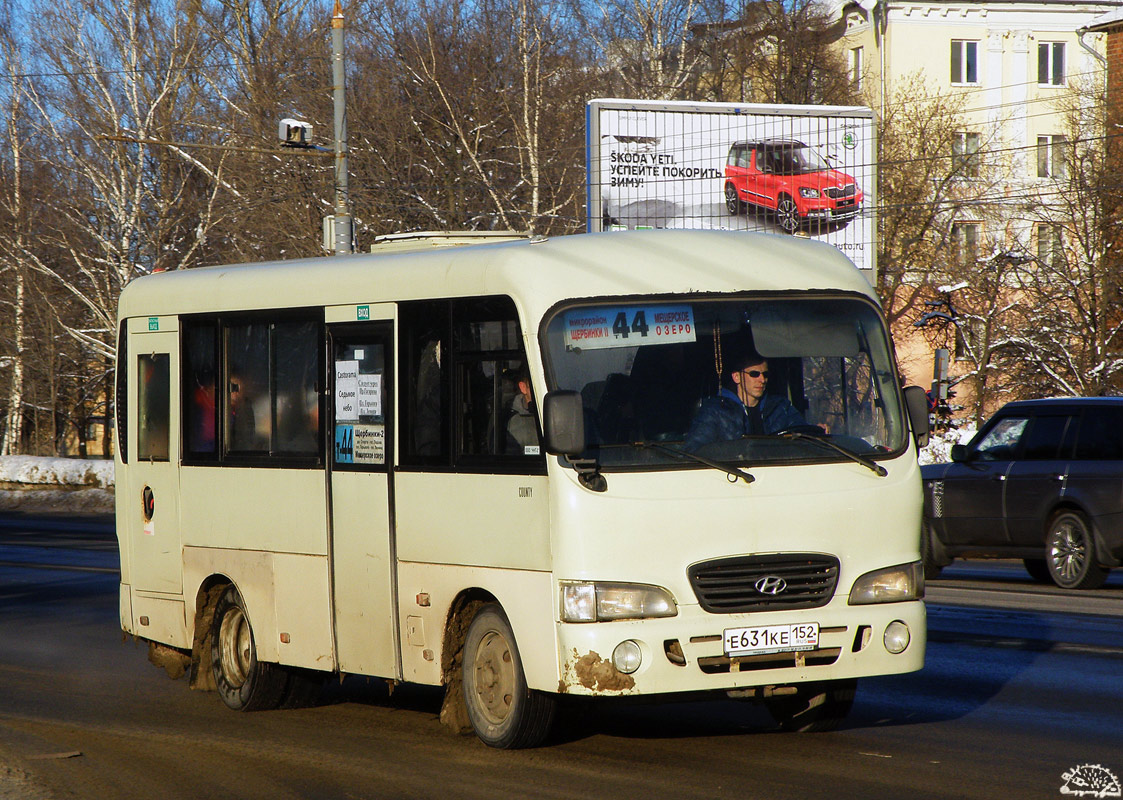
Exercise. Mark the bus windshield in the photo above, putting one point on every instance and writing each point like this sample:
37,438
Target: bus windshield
743,381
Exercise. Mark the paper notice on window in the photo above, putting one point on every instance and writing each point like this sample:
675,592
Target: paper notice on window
370,395
347,391
370,444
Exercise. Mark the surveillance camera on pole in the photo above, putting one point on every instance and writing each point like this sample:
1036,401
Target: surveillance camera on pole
294,133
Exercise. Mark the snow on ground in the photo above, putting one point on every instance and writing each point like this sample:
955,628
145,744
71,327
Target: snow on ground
938,450
56,471
38,484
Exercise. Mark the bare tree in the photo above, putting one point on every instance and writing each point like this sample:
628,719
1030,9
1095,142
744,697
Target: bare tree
13,243
646,47
471,117
1071,333
923,185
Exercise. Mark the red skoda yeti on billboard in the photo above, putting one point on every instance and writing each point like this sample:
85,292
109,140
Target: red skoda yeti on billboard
788,177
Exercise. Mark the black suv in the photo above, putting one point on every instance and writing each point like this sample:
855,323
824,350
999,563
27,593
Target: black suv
1041,481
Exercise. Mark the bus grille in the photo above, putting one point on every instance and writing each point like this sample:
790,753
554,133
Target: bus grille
764,583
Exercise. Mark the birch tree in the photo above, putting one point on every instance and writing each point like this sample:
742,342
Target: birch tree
13,244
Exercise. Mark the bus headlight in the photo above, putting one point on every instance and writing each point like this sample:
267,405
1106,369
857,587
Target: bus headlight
889,585
602,602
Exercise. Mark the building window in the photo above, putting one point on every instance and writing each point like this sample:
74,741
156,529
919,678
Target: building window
856,68
964,62
965,243
1050,245
964,154
1051,156
1051,64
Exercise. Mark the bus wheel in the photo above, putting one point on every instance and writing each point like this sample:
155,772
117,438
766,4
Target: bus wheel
504,713
243,682
814,707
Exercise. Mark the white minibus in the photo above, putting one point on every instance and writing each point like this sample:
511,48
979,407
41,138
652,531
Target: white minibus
637,463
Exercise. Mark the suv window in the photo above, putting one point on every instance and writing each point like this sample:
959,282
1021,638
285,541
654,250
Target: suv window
1099,438
1001,441
1044,439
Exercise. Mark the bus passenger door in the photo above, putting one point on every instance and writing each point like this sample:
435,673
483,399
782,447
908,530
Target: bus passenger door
151,502
360,409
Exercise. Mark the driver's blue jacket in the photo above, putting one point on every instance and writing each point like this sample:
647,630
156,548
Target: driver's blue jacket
723,418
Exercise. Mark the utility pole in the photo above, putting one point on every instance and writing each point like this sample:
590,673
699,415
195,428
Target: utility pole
342,191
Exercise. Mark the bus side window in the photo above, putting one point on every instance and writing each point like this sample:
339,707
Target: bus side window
247,413
425,329
494,418
153,406
199,374
272,383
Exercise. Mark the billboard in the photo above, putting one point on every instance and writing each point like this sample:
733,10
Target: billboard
783,169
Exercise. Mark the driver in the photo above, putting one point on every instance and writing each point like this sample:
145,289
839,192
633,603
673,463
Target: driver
744,412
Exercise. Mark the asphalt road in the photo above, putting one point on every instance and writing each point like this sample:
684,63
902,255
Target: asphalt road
1011,700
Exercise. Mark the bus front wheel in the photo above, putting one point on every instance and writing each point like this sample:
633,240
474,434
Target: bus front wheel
243,682
814,707
503,712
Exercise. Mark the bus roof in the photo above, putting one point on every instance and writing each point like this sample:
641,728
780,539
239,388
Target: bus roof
537,272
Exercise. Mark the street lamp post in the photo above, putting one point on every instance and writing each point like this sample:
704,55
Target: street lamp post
342,226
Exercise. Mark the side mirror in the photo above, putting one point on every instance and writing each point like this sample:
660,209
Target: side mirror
563,423
916,401
959,453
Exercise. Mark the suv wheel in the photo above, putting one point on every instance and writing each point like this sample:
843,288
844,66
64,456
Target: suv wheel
1070,553
787,214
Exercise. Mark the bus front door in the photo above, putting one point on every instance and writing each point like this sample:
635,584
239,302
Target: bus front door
362,549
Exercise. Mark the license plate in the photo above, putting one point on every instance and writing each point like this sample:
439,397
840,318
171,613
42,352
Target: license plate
771,639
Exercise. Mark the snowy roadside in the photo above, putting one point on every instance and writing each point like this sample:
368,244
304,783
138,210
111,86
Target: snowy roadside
37,484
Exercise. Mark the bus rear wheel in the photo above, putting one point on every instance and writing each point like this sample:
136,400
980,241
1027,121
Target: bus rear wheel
243,682
503,712
815,707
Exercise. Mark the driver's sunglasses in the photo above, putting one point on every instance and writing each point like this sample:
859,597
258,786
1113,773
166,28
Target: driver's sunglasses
756,373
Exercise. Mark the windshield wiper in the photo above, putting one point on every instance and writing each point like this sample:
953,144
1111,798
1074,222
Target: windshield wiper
873,466
732,472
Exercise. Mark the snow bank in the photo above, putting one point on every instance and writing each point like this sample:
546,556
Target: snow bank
38,470
35,484
938,450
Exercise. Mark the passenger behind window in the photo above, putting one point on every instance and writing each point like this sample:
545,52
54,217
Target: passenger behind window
298,422
522,429
427,414
242,419
202,413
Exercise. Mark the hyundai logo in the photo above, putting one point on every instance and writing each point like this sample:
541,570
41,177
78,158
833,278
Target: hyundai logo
770,584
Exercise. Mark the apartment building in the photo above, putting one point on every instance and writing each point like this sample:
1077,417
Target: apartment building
1014,61
1015,65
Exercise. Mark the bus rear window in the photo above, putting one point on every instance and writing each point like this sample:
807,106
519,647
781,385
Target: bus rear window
153,406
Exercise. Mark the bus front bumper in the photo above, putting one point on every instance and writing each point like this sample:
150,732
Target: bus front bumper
686,653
